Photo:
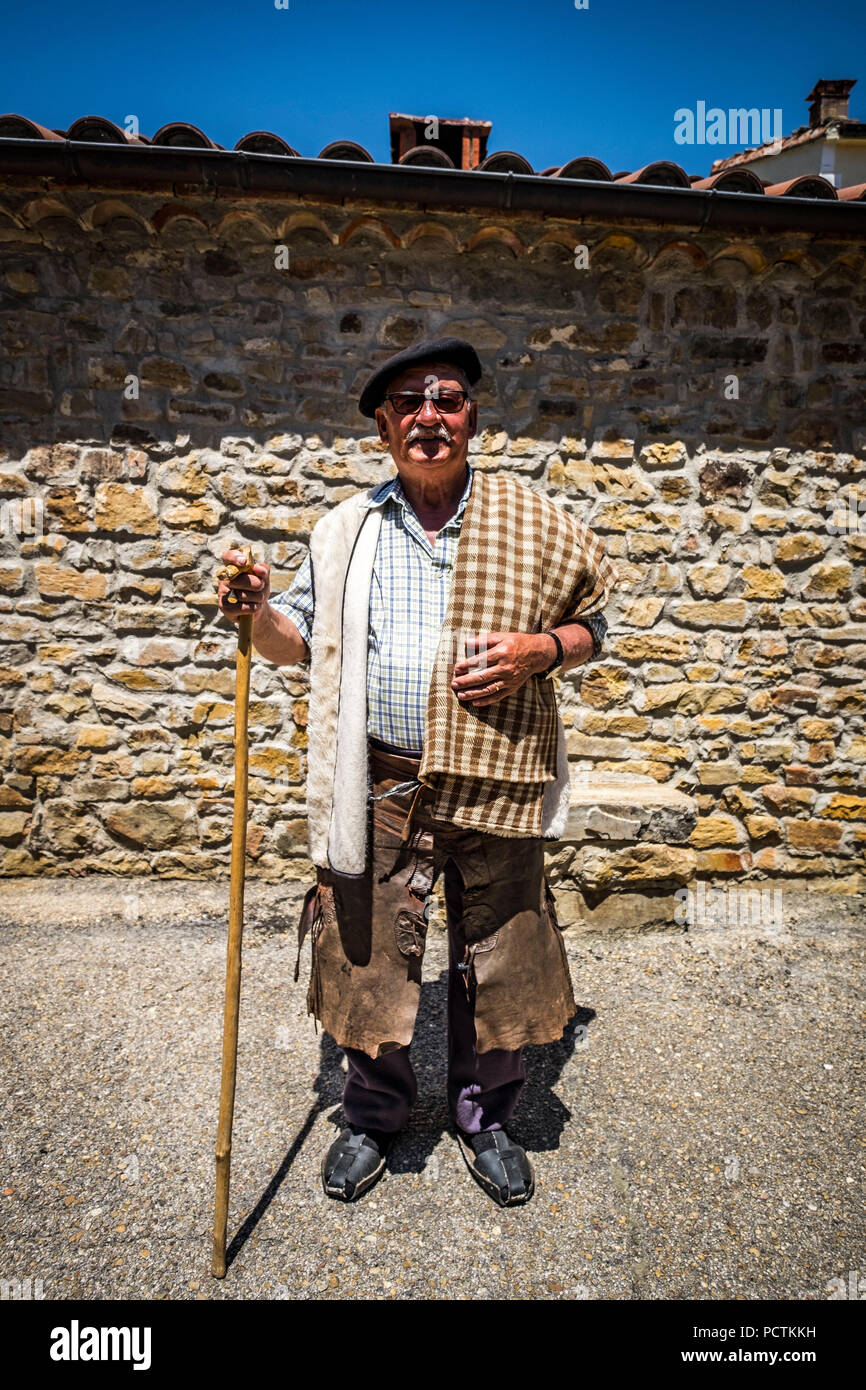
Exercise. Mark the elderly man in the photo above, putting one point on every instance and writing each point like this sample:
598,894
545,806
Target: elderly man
432,608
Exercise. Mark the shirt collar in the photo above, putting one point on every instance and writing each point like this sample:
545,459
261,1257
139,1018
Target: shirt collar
393,488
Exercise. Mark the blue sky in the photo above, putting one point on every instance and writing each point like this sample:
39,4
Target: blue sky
556,82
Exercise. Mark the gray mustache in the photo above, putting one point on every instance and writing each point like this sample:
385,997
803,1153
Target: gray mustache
420,432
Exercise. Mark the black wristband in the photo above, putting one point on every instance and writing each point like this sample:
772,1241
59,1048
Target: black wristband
558,659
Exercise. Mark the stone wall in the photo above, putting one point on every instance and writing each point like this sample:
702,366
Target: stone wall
179,374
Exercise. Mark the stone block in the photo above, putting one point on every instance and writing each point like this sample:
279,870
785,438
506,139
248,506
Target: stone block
790,549
710,580
152,826
61,581
642,864
762,582
819,836
121,507
716,830
13,827
613,809
628,914
841,807
727,613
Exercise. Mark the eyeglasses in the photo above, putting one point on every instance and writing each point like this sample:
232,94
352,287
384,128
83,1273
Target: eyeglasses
446,402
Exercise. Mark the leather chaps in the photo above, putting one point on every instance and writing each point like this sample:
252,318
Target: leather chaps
368,931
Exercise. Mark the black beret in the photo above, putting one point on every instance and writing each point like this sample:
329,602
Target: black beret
454,350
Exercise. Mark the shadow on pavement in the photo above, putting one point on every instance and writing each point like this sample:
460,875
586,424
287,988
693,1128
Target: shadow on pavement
538,1123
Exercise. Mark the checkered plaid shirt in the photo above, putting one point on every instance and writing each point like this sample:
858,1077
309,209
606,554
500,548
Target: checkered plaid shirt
408,602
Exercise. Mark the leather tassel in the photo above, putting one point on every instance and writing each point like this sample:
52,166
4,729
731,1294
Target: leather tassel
404,834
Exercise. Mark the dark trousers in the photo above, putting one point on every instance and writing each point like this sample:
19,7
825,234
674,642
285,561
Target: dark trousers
483,1087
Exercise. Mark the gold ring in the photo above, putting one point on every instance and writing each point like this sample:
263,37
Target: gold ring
231,598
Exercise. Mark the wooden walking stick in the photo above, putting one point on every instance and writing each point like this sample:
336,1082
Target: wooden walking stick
236,923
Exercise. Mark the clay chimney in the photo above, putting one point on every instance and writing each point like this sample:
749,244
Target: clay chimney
463,141
829,100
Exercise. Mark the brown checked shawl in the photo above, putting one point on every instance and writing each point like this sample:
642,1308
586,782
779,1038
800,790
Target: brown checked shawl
523,564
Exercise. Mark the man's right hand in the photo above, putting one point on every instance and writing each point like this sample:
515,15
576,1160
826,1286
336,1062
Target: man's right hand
252,589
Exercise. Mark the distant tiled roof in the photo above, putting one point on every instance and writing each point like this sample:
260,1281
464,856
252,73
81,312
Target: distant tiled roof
727,175
803,135
828,118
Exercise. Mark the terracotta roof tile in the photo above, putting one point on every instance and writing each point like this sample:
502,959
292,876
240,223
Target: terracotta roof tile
427,154
806,186
264,142
346,149
662,174
732,181
584,167
181,135
98,130
20,128
506,162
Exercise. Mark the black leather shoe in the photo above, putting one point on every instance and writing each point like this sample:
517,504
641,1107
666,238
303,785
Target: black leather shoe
354,1162
499,1165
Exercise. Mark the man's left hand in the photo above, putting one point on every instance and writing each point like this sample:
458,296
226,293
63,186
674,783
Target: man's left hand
500,668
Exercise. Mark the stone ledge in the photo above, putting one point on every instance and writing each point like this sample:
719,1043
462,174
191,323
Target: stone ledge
621,809
628,913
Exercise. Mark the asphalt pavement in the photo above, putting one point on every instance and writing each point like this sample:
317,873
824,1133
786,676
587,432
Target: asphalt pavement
697,1133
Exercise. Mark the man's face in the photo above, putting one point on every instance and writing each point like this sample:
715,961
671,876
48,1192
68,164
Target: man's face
432,441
